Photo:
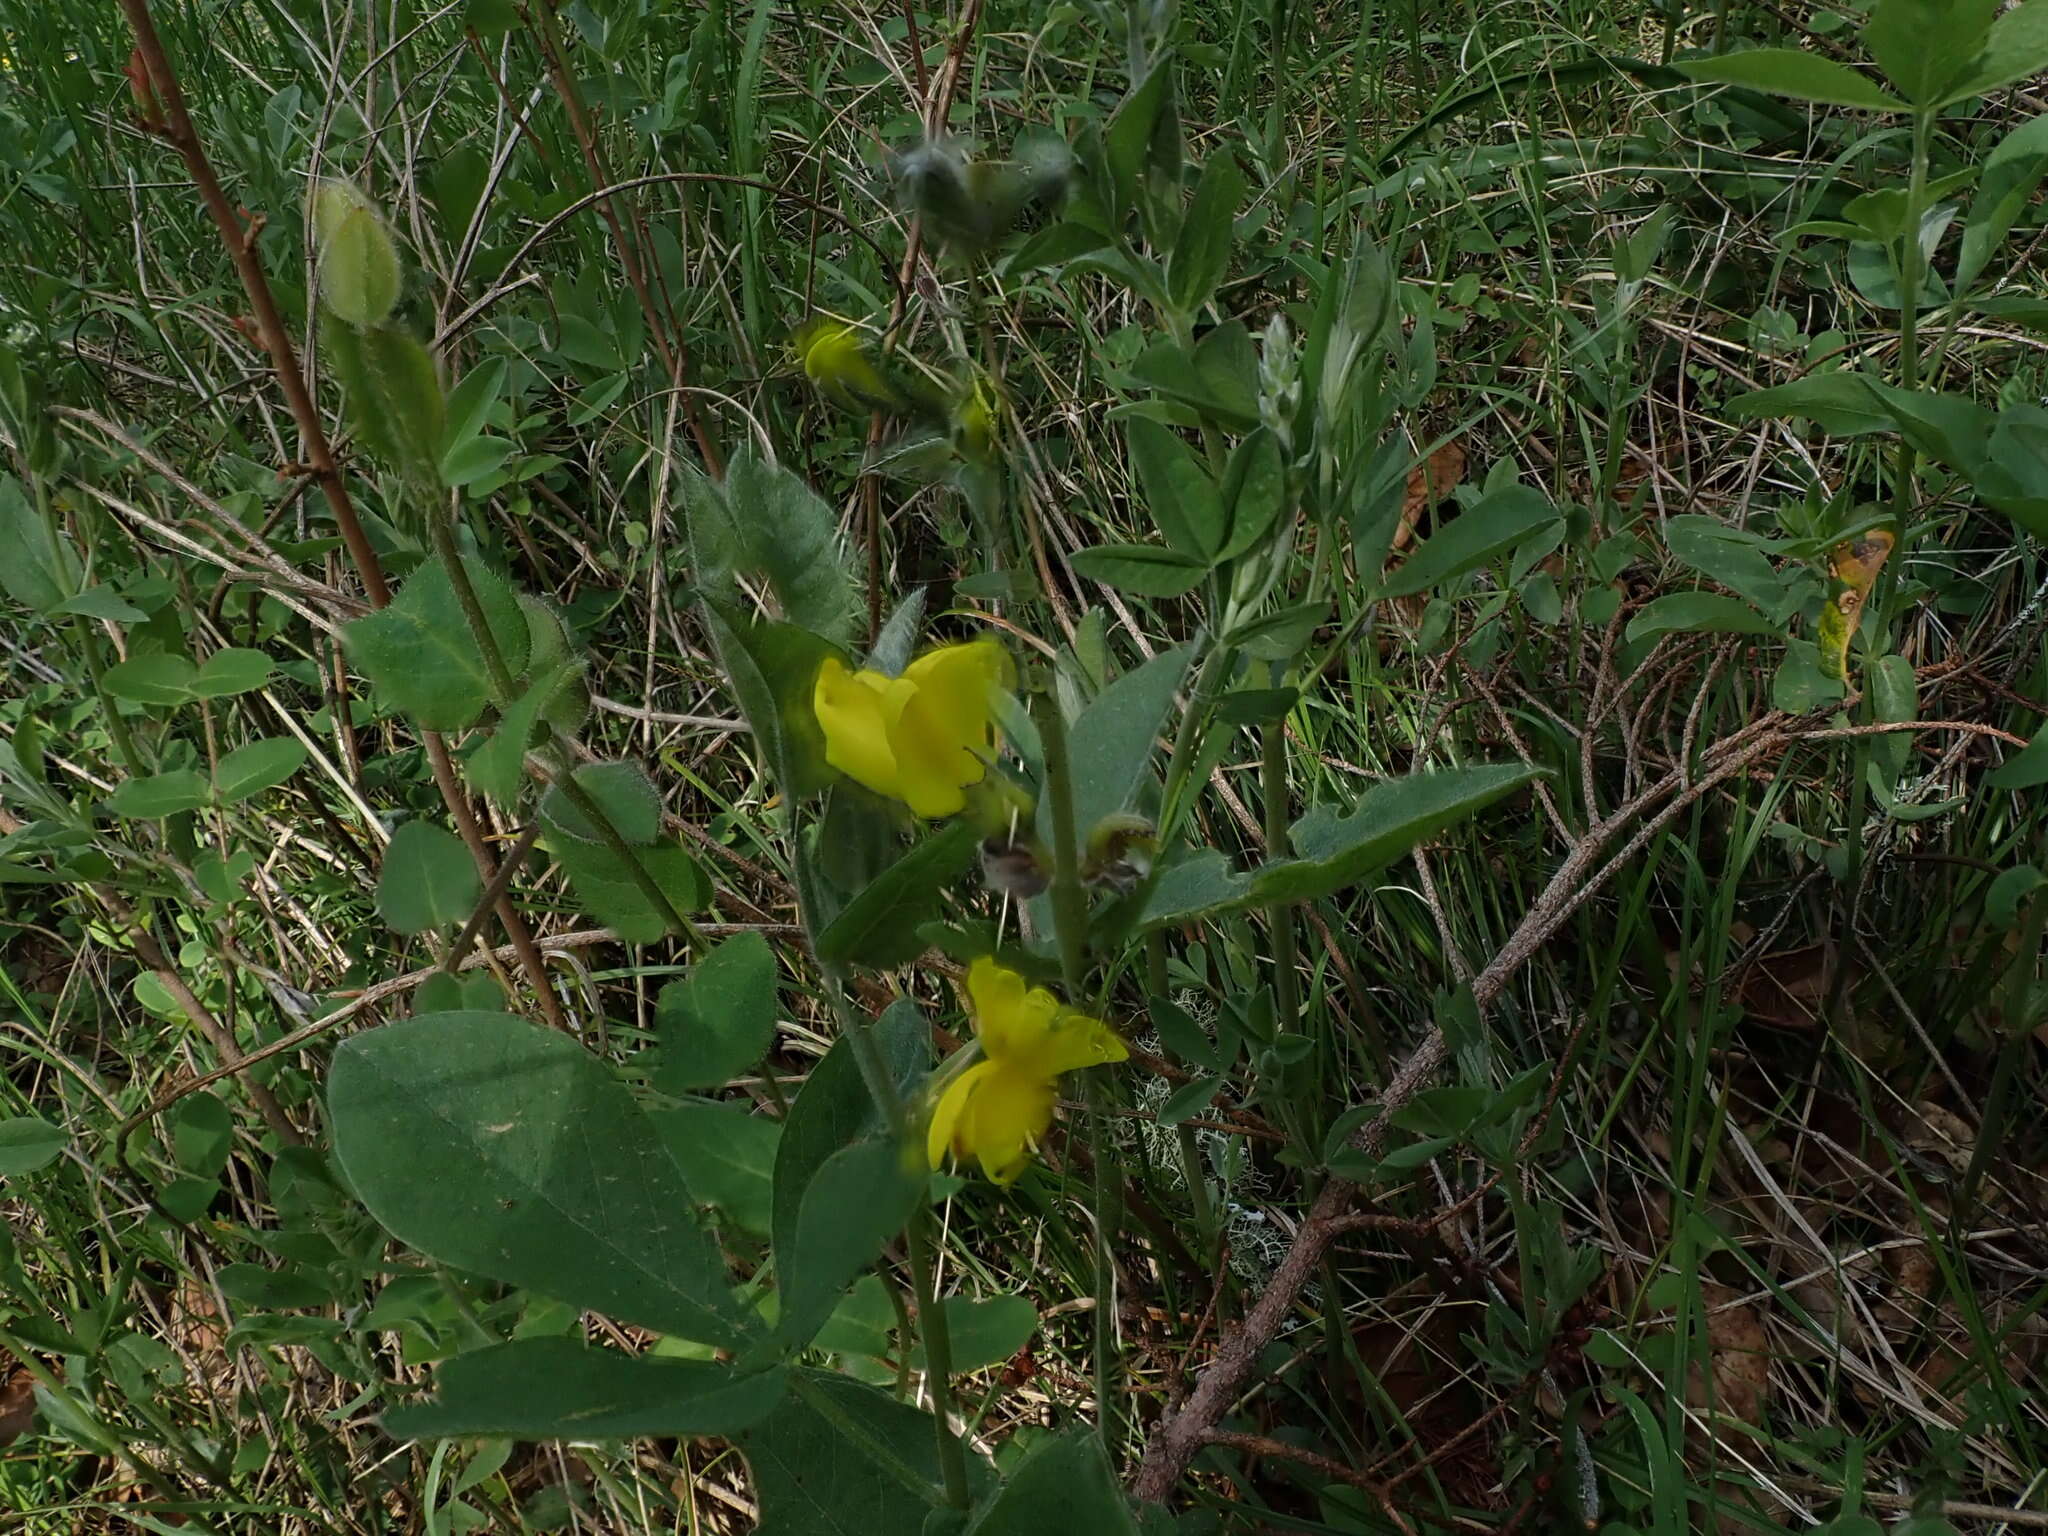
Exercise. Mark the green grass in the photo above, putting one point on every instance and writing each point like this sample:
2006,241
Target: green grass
1772,1256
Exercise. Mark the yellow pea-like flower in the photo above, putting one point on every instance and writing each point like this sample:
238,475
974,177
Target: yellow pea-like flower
834,358
921,738
999,1109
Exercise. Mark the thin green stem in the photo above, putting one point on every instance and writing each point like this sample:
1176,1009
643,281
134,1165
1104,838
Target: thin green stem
931,1316
1070,924
1273,785
1912,270
1190,1150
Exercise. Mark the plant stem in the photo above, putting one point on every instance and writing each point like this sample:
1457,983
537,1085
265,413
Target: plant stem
931,1316
1912,270
1280,916
1070,925
1190,1151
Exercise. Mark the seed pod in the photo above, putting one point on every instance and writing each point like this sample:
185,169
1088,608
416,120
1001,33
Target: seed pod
357,260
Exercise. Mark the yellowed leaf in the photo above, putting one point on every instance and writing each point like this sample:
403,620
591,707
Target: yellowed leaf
1853,564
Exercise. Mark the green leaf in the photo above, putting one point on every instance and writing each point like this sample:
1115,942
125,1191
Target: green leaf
764,519
1800,686
1952,430
475,457
1838,403
1791,72
1112,741
273,1290
1065,1485
2002,902
498,767
470,402
984,1331
101,602
1201,251
1734,557
624,796
1219,378
202,1134
429,879
419,652
772,670
2011,172
1924,46
1183,1037
816,1475
1254,491
260,765
897,642
2016,47
860,1324
879,926
858,1199
834,1110
1142,569
28,1143
158,678
160,795
605,888
2014,475
1182,499
718,1021
2026,768
1489,528
558,1389
728,1158
1127,141
545,1173
1335,851
41,569
1188,1100
229,672
1698,611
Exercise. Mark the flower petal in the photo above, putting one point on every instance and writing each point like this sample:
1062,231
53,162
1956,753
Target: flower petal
854,715
1076,1041
935,756
947,1112
1005,1118
957,680
1011,1018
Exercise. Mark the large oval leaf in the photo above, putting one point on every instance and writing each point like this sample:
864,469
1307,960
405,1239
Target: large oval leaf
504,1148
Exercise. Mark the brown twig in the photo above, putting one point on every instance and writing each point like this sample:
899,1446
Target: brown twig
170,121
1179,1436
1265,1445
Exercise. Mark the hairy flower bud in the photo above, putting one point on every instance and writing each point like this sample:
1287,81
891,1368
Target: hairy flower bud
357,260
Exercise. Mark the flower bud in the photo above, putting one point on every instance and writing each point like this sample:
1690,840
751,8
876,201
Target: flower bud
1120,852
1015,869
357,260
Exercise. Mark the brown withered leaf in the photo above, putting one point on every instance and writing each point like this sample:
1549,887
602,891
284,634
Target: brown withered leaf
1737,1384
17,1399
1853,564
1428,483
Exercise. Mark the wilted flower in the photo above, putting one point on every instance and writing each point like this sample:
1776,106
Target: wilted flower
921,738
1000,1108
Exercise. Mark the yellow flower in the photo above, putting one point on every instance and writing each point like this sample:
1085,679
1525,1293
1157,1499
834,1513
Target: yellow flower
921,738
835,360
999,1108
